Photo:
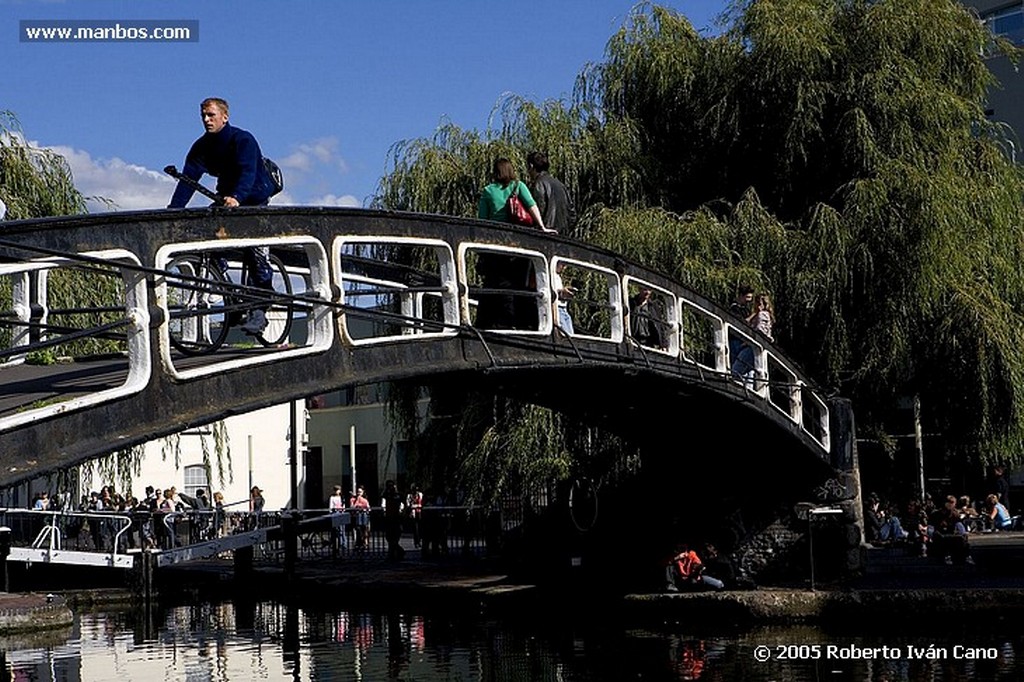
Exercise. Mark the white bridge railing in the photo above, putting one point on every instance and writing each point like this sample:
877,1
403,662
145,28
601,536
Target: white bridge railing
364,289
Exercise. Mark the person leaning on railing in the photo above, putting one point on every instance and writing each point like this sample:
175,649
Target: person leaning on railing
359,507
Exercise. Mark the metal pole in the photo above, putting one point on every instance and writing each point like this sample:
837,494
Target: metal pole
250,462
919,447
352,454
810,542
294,445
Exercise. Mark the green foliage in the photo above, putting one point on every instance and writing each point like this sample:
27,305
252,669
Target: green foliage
37,183
486,447
34,182
834,153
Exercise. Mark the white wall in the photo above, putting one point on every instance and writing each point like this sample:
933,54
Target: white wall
268,432
270,438
329,428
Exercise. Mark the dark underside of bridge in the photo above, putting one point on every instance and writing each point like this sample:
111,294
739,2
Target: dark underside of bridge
714,465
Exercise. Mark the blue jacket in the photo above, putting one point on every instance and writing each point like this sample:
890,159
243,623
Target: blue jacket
233,156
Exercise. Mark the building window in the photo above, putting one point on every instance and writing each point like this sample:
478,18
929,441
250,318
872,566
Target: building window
195,478
1007,22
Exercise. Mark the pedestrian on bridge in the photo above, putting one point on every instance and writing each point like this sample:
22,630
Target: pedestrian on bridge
762,319
553,201
256,503
233,156
502,271
741,355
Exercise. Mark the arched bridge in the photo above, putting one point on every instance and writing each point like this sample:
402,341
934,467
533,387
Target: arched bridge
360,297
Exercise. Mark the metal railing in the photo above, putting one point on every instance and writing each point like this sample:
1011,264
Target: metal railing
385,288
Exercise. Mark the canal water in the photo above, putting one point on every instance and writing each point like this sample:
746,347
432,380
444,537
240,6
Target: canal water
236,641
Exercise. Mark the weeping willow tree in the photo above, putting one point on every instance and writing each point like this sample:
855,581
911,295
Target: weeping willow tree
34,182
503,446
834,153
864,183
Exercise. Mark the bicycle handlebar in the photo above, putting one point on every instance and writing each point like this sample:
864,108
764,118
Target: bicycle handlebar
194,184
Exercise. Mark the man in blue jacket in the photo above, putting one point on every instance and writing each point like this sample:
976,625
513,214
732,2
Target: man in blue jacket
233,156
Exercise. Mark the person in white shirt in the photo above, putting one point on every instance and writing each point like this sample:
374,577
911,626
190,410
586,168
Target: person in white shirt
563,294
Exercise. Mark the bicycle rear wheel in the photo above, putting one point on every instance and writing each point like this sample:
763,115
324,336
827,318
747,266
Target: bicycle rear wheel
197,321
282,311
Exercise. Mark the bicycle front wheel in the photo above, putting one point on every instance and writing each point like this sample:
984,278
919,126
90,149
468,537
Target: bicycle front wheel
282,311
197,322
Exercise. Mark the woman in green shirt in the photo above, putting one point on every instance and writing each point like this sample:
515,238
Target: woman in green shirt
493,203
505,274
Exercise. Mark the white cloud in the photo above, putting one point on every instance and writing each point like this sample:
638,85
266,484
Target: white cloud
335,200
322,152
129,186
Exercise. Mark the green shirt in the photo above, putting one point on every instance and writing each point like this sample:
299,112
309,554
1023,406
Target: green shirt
494,199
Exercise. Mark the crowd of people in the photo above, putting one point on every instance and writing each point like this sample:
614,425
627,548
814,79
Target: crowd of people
168,518
203,516
508,281
431,518
941,531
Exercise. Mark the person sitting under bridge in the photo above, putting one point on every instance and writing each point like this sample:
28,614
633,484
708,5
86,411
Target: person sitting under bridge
950,540
881,526
686,571
998,515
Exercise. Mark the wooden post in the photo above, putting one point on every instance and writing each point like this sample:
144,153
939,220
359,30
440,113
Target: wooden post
290,531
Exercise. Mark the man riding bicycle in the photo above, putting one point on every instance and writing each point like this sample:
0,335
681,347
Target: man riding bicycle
233,156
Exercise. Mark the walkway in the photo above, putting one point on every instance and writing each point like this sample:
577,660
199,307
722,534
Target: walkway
896,586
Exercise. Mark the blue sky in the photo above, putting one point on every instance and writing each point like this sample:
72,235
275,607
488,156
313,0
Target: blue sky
326,87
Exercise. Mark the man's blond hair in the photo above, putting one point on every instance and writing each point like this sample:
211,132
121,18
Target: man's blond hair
218,102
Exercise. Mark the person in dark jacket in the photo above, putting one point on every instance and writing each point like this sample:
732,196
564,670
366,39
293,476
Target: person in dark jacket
552,199
394,505
233,156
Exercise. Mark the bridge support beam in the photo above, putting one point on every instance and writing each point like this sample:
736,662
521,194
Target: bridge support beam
145,567
845,460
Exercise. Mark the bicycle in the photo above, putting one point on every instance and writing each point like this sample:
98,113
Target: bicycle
205,299
204,302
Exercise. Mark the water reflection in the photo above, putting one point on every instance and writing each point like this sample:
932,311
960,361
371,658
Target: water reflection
241,640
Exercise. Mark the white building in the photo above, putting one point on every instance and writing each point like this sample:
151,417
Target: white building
258,453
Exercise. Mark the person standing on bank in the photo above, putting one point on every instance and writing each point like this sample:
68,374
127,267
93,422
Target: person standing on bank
552,199
233,156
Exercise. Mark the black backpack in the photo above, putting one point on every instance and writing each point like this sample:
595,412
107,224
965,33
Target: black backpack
274,171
